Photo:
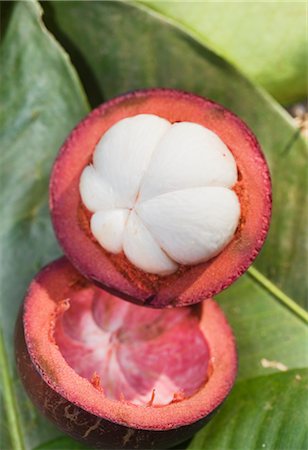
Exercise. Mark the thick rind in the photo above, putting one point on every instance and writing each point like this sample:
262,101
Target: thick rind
84,426
114,273
89,428
79,408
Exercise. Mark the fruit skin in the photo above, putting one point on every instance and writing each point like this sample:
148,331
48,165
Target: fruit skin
114,273
82,425
39,372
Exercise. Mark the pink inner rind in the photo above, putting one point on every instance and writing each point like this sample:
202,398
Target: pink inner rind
48,297
139,355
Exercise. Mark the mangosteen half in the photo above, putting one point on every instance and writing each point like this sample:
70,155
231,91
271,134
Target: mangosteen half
116,375
161,197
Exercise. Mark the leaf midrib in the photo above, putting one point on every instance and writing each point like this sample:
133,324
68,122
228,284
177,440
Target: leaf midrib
10,402
277,294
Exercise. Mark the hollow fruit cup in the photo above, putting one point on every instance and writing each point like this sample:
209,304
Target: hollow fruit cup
116,375
161,197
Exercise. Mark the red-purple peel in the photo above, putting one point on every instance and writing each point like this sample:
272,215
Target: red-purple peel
114,272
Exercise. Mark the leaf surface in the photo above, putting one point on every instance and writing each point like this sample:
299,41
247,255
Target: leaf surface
61,443
41,100
264,329
266,40
267,412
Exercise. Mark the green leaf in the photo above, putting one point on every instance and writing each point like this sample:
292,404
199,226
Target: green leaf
267,412
10,399
41,100
61,443
267,41
127,47
264,329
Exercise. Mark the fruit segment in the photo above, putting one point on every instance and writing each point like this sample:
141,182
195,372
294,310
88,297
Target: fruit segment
192,225
143,250
108,228
123,154
96,194
189,155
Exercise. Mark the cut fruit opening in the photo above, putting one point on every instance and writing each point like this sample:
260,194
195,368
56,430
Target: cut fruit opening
179,281
171,203
107,356
142,356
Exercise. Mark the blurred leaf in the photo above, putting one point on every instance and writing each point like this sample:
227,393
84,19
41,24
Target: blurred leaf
268,412
5,15
41,100
10,401
61,443
126,48
267,41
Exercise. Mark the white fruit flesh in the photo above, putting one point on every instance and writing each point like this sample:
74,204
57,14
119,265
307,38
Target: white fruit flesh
161,193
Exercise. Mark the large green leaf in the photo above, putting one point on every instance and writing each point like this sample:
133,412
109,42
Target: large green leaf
267,412
267,41
264,328
41,100
124,48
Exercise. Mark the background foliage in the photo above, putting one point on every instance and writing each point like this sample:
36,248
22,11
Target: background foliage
91,51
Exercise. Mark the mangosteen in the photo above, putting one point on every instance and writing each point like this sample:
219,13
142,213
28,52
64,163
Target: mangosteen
161,197
115,375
